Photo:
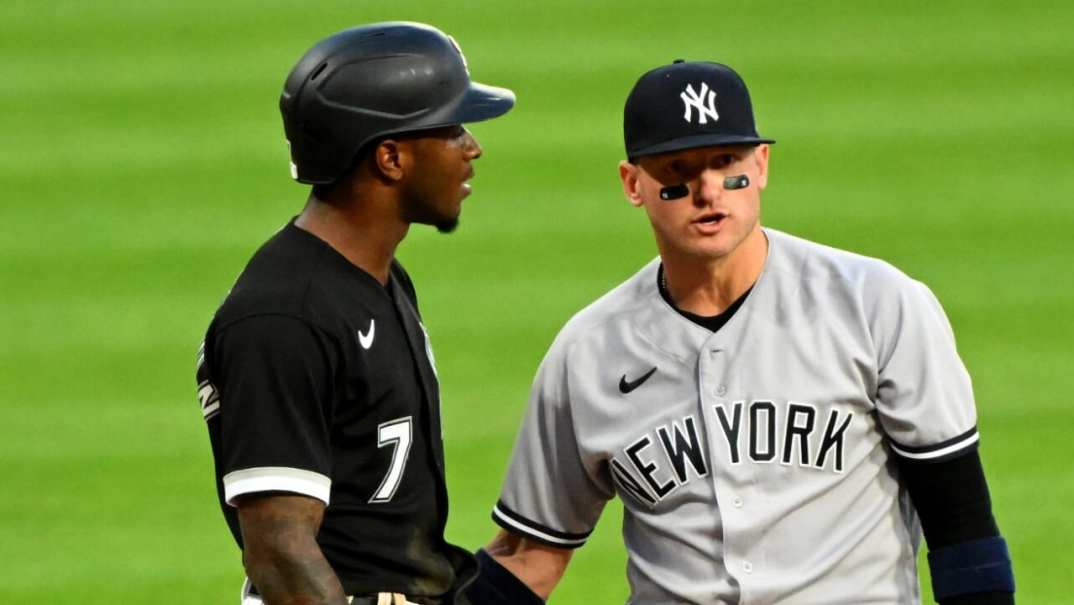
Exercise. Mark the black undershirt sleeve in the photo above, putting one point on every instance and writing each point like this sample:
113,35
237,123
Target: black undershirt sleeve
952,501
951,498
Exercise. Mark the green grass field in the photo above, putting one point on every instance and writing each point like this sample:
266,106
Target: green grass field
143,161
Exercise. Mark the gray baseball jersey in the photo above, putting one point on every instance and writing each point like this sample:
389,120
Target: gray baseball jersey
755,463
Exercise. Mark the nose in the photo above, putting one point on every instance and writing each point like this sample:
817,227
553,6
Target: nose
473,148
710,187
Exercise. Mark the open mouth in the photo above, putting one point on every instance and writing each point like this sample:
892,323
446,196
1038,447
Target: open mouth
711,218
466,187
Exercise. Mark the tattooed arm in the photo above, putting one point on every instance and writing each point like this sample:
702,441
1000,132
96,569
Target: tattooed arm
280,550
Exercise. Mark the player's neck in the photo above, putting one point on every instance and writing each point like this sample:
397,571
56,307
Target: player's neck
707,287
364,232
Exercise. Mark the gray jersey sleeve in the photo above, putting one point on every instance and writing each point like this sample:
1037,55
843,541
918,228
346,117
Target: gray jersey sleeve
553,493
924,399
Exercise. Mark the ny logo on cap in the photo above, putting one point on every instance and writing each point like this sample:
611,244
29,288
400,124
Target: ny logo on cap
692,99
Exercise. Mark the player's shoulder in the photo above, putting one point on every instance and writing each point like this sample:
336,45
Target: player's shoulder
274,281
618,304
807,262
292,274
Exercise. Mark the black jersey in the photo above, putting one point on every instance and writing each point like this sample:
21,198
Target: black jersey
316,379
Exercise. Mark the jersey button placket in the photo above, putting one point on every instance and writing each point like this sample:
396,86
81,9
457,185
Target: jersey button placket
712,369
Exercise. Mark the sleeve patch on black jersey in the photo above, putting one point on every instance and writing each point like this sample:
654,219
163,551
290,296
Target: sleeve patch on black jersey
208,396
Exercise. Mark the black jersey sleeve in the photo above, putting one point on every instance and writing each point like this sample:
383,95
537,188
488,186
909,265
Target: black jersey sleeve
273,373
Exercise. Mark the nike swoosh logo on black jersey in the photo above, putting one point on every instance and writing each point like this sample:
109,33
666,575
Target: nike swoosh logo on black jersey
366,339
626,387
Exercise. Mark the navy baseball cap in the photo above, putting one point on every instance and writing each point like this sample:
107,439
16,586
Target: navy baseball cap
686,105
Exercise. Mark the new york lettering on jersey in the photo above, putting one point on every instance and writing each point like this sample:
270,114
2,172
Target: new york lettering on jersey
755,436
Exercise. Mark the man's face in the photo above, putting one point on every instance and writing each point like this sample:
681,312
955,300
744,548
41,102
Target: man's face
436,185
710,222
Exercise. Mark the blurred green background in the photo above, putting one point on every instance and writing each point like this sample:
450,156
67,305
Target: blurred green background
143,161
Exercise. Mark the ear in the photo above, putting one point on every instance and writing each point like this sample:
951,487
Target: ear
628,174
760,155
391,159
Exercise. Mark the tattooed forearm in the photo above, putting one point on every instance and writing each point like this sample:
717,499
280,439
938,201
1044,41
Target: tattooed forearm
281,554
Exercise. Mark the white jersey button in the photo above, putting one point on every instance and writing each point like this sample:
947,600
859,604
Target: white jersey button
721,389
747,567
737,502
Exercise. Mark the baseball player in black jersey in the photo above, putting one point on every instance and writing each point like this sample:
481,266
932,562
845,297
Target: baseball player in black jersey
316,376
780,419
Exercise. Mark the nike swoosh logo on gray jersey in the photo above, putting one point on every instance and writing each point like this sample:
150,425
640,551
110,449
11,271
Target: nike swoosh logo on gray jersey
626,387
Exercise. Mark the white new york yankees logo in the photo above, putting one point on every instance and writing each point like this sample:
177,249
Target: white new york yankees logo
706,107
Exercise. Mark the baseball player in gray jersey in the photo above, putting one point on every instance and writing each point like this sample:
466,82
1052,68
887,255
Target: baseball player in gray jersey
780,419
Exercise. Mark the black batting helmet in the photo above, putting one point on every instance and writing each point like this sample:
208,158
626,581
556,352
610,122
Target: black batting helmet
372,81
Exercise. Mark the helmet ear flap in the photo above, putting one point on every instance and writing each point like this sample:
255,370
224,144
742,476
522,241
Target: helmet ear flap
364,154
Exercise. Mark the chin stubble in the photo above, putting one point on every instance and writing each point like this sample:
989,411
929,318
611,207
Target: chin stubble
447,226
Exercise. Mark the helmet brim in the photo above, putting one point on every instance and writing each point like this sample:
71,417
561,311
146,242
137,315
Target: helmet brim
483,102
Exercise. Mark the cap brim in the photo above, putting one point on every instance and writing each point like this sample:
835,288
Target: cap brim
483,102
698,140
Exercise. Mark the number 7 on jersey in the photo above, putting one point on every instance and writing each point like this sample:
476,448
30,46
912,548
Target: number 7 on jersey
397,433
